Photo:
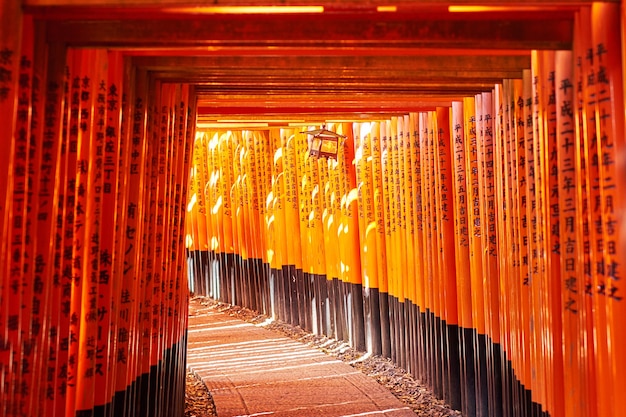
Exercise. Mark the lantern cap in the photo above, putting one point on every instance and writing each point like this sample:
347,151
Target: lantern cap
324,133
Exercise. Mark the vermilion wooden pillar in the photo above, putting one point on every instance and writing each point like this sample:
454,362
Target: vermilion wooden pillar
10,45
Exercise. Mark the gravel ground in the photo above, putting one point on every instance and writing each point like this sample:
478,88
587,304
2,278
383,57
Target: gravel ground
198,400
401,384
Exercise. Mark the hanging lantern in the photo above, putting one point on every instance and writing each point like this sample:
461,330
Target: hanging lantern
324,143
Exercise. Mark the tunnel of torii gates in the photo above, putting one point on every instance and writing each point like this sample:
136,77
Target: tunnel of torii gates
470,226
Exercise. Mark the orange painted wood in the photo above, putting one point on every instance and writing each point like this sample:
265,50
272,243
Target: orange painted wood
292,197
395,213
446,195
426,234
159,194
259,152
548,295
367,225
305,189
518,225
201,187
134,152
609,119
78,181
576,374
512,90
403,266
379,199
585,236
227,154
471,153
527,160
10,45
314,231
503,213
459,184
416,168
88,225
409,210
109,106
329,226
19,275
10,49
349,218
539,274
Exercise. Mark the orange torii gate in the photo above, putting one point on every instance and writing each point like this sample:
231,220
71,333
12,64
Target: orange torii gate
476,237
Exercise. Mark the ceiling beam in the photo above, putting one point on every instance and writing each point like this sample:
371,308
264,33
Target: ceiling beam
340,73
230,65
526,31
122,5
232,84
351,59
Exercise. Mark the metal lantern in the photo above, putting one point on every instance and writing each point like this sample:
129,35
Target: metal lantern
324,143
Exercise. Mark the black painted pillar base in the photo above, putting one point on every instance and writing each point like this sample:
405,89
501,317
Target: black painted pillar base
356,305
292,283
385,332
371,311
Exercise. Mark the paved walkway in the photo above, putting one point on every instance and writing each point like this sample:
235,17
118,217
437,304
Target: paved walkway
252,371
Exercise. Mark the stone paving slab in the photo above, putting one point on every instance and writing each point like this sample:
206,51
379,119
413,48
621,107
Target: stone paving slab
252,371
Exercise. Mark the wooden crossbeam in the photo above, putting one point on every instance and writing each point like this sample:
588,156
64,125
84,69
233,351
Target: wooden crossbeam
350,58
228,84
342,75
122,6
526,31
231,65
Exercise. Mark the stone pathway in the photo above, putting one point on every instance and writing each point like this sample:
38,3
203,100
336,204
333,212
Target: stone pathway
252,371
